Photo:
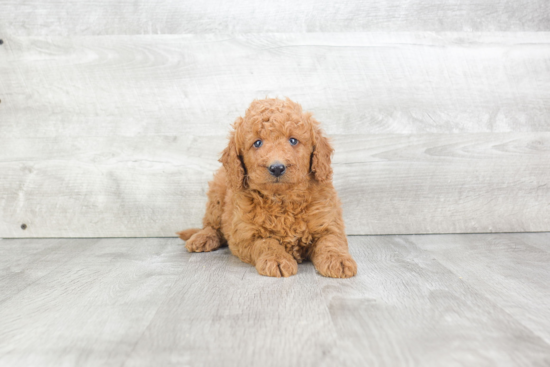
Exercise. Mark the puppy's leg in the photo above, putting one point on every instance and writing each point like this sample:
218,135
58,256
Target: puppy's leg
186,234
271,259
205,240
331,258
210,237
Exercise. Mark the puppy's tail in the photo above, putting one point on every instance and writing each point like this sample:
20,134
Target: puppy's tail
185,235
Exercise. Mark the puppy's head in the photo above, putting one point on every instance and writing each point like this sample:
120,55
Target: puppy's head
275,146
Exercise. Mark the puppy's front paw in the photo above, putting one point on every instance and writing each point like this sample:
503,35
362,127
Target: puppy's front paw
336,265
203,241
276,265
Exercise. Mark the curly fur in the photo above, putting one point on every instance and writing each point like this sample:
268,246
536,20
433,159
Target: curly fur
272,222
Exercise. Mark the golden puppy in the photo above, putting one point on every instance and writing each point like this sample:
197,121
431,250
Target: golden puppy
273,201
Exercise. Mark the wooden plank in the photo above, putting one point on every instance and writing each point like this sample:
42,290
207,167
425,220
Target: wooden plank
538,240
23,262
153,186
507,269
91,309
137,302
355,83
49,17
458,183
222,312
407,309
105,187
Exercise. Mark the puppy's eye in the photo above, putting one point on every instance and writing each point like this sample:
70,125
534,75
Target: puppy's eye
293,141
258,143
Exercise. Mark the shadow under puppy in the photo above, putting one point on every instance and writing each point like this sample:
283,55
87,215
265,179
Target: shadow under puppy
273,201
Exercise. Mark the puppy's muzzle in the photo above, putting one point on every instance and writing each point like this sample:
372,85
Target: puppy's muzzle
277,169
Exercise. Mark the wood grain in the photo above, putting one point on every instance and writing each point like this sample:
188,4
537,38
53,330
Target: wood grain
439,183
30,260
49,17
153,186
105,187
137,302
241,318
407,308
90,309
510,270
355,83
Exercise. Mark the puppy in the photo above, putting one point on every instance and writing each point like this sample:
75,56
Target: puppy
272,202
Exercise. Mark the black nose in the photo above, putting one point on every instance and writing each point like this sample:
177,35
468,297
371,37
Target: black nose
277,169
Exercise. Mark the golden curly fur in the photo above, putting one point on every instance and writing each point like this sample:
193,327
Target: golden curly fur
276,221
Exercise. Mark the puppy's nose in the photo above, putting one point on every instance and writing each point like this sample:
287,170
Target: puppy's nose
277,169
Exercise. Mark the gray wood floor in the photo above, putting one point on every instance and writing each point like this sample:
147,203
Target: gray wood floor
430,300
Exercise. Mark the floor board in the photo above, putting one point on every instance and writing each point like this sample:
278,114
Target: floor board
511,270
431,300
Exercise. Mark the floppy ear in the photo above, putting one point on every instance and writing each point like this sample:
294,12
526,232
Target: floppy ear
233,164
320,158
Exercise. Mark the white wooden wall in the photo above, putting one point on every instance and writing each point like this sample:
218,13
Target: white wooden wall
113,114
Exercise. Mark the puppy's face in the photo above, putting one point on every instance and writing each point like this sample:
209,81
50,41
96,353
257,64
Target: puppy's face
276,146
276,150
